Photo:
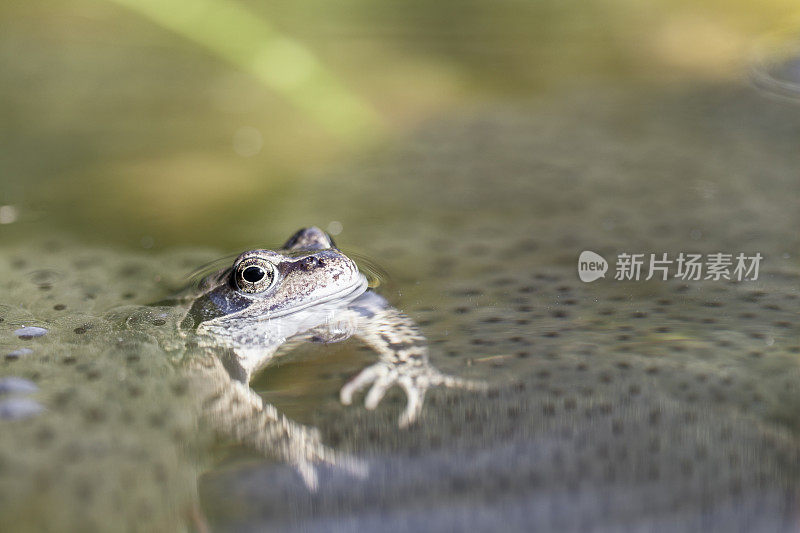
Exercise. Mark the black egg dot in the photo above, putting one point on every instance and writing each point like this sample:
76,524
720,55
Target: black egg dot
253,274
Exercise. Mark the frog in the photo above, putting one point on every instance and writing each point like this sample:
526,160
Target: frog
266,303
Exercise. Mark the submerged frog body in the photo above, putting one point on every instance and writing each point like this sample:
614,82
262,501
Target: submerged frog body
268,302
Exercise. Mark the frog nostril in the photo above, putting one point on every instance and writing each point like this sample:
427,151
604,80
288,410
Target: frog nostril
311,262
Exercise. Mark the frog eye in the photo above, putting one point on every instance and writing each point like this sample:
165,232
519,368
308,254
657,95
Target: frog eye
254,275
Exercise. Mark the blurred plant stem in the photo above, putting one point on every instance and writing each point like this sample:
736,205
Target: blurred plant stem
232,32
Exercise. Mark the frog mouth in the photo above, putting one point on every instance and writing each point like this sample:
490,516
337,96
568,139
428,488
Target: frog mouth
348,293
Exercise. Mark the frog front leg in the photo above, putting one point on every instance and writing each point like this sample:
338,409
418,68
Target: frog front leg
235,411
403,360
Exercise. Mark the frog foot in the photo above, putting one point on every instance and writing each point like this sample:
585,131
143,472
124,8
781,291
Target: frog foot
414,377
305,459
301,447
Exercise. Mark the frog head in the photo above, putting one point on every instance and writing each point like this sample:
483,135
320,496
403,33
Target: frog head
262,285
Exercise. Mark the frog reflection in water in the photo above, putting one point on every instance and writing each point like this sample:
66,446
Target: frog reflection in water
268,302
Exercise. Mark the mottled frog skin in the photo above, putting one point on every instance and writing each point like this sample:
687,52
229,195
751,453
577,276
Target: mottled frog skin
268,302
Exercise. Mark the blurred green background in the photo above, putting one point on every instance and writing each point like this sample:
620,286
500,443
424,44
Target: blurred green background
144,123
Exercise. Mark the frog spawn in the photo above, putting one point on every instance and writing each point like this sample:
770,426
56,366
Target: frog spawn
113,441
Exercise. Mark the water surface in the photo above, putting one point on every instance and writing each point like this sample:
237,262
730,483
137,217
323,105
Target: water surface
663,405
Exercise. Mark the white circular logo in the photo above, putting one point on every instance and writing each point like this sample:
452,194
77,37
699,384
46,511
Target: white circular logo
591,266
